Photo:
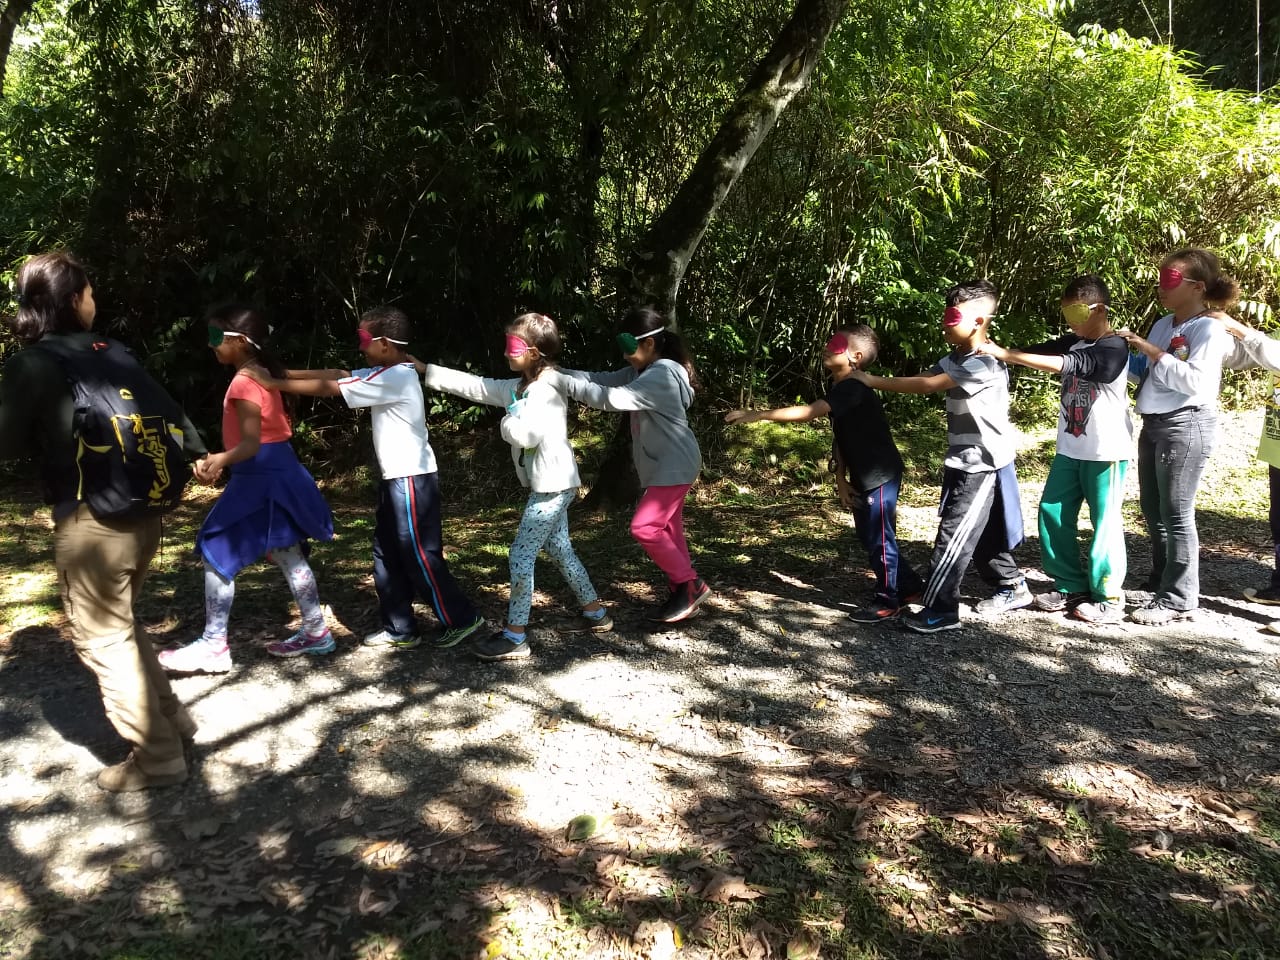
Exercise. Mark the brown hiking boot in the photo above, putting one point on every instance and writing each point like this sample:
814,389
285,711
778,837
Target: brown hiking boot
126,777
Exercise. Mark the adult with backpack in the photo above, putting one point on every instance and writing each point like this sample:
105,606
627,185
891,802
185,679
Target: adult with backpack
112,447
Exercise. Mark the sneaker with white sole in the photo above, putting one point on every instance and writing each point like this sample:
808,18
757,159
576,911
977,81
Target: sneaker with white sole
931,621
1100,612
1157,614
1055,601
1267,595
1005,599
301,643
199,656
684,600
452,636
499,646
585,624
388,640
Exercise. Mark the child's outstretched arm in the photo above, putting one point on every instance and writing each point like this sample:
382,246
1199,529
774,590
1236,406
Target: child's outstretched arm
495,393
921,383
1044,362
797,414
306,387
325,374
1251,347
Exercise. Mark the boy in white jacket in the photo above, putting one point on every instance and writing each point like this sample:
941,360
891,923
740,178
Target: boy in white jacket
535,427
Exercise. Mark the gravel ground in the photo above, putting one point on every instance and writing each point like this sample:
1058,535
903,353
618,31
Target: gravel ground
434,758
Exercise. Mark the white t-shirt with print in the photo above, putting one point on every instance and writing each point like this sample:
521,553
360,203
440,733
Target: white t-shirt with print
394,398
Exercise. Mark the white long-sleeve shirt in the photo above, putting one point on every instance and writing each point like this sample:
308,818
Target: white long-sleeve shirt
537,430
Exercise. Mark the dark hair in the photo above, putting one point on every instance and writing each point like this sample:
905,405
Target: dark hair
252,323
669,344
48,288
972,290
866,340
1220,290
539,331
390,322
1089,287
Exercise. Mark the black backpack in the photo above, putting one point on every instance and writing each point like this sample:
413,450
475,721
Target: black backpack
126,427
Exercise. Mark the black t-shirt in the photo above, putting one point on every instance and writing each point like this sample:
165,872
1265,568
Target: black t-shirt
862,435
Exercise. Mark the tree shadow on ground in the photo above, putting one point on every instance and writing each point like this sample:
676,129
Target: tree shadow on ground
858,789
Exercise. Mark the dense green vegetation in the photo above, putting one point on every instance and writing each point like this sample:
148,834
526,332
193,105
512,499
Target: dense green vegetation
474,158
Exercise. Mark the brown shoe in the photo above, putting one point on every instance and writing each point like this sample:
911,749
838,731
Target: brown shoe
126,777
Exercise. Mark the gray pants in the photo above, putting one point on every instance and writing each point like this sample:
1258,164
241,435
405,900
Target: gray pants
1173,449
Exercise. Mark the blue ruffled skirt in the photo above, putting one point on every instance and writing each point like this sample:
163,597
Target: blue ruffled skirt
270,502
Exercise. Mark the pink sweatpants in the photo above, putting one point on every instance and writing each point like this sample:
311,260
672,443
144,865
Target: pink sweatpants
658,526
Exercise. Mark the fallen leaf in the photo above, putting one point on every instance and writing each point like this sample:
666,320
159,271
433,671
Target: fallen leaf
338,847
657,939
723,887
581,827
805,945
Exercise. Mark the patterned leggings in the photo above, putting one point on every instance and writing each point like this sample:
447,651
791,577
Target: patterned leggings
545,524
219,594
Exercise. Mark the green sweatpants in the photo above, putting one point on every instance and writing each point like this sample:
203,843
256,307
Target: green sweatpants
1101,485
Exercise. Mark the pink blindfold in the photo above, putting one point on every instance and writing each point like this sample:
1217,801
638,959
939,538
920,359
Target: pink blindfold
516,347
1170,278
838,343
952,317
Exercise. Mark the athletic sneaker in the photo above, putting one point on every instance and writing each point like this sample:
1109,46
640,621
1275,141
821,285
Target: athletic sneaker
1006,599
1055,601
453,636
386,640
931,621
875,613
1157,614
1268,595
301,643
584,624
199,656
683,601
499,646
1102,612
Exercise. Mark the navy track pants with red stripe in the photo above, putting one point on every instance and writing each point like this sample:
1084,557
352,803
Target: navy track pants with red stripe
408,559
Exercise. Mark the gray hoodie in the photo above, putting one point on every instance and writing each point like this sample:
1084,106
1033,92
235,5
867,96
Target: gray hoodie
664,448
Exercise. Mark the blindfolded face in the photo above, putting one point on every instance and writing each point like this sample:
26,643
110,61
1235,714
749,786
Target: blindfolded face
838,343
1077,314
516,347
1171,278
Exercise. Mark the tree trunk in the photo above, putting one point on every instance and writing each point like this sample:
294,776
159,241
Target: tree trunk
11,16
663,255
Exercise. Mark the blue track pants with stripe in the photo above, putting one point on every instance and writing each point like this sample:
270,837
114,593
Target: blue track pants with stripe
407,557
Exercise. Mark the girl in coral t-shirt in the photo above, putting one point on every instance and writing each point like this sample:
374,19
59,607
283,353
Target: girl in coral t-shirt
270,505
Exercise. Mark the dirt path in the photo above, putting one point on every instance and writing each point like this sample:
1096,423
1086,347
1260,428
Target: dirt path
427,794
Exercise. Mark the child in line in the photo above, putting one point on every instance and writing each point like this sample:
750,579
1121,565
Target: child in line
535,426
1179,372
864,448
1095,439
269,506
408,555
981,517
655,388
1253,347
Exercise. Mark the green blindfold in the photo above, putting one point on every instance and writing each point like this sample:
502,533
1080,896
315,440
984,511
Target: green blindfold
631,343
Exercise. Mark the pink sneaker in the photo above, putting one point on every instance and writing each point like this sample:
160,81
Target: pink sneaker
200,656
300,643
